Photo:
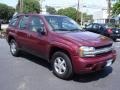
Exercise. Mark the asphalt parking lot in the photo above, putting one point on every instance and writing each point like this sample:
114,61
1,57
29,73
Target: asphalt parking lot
28,72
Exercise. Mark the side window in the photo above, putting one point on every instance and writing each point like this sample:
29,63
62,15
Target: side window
35,24
89,26
95,26
23,22
53,22
13,21
100,27
66,24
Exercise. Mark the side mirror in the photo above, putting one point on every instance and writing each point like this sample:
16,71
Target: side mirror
41,30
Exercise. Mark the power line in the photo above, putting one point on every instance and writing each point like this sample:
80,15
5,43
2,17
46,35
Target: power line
109,8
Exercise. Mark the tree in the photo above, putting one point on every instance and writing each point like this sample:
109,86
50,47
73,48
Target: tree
51,10
6,12
116,8
87,18
72,13
29,6
10,13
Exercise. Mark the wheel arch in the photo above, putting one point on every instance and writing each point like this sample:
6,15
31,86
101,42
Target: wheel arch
54,49
10,38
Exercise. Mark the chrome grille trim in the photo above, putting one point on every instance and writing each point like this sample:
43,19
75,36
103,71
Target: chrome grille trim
103,50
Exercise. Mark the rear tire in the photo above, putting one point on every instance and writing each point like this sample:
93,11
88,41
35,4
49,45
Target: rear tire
61,65
14,48
114,39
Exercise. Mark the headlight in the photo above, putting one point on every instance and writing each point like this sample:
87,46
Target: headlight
85,51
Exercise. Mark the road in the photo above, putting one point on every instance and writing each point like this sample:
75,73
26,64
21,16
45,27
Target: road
28,72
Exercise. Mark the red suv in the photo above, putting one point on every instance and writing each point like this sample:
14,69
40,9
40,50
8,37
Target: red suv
60,41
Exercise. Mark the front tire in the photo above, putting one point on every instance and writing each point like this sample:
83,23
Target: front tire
14,48
61,65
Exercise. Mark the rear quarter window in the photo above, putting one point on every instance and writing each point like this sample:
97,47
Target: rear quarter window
13,21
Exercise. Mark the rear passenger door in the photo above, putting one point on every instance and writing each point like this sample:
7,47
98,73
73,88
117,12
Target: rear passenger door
13,25
22,32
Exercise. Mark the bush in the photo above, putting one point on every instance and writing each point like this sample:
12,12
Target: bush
6,12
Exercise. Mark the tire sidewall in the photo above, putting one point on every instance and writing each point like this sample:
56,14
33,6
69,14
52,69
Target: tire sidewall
68,73
114,39
16,53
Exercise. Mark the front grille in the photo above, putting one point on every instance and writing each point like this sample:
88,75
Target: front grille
104,53
103,49
105,46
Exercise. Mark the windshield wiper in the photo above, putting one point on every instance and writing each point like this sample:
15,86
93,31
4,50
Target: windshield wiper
70,30
75,29
61,29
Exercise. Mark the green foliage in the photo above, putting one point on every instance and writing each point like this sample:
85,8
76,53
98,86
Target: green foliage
87,18
116,8
29,6
6,12
70,12
51,10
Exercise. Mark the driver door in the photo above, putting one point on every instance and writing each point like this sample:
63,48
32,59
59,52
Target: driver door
37,41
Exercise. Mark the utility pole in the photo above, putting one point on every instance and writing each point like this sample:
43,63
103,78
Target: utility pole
109,10
41,2
21,6
82,15
77,13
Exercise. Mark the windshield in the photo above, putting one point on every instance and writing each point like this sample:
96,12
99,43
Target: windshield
62,23
107,26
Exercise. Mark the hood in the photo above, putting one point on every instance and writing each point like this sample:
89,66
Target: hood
87,38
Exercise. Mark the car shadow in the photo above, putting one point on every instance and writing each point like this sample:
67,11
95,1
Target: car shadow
118,40
85,78
36,60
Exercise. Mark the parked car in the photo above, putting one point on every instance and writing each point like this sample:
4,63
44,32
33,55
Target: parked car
103,29
60,41
0,24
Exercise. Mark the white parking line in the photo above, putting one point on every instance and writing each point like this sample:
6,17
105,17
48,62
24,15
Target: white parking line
116,44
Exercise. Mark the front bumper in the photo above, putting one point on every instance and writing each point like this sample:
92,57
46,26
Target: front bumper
88,65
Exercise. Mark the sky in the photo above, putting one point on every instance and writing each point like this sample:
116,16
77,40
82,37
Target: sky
92,6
